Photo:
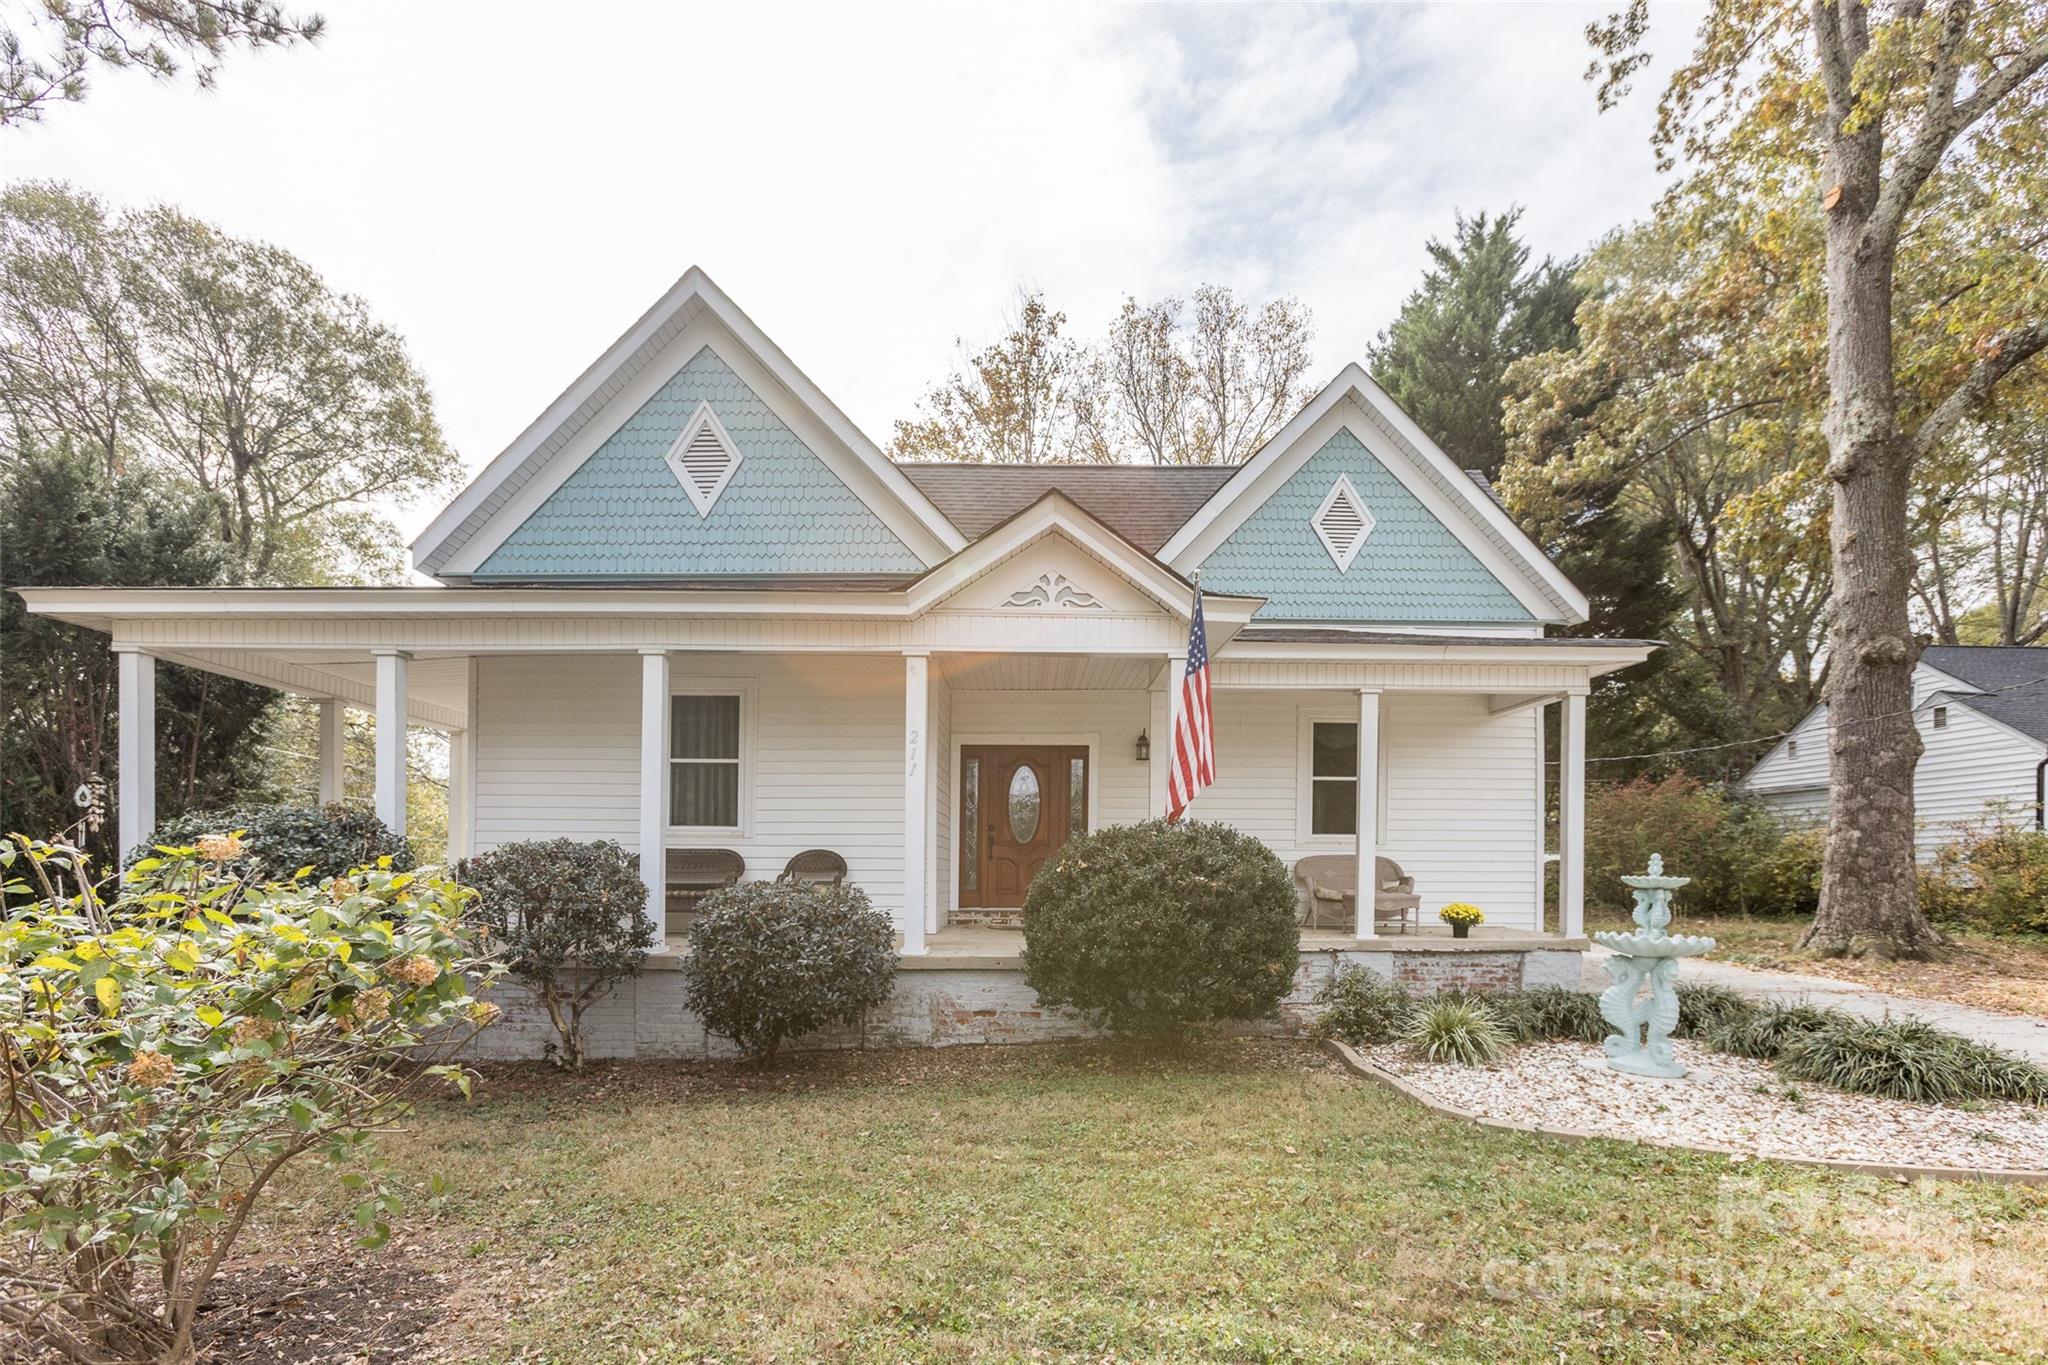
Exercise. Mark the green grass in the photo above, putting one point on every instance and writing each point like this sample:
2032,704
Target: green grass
1242,1201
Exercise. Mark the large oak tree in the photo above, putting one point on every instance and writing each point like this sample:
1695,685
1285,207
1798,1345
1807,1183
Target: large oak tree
1903,121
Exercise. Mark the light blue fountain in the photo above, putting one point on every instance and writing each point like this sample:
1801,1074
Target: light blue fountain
1643,1024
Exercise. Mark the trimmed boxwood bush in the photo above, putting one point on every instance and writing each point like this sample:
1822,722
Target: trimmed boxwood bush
772,961
1162,928
568,919
280,840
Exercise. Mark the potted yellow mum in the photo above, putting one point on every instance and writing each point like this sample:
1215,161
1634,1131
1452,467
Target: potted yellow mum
1461,916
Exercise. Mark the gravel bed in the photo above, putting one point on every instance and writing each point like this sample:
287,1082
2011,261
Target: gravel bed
1727,1102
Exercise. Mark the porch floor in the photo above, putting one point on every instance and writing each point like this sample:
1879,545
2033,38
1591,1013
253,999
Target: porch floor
982,946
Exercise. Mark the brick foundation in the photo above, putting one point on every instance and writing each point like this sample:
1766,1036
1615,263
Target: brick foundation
946,1005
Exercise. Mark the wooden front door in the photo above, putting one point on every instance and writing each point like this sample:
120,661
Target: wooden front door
1018,805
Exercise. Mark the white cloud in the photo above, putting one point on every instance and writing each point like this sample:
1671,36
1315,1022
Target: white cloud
511,187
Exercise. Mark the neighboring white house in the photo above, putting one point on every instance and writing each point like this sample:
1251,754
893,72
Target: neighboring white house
1982,711
694,606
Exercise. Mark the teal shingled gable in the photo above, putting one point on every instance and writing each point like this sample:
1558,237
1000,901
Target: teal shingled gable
623,515
1412,566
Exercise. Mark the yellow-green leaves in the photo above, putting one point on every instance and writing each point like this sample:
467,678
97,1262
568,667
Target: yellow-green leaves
108,992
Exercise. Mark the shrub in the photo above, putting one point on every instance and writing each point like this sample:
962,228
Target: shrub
1908,1059
1767,1032
1703,1008
1456,1029
280,840
1994,879
171,1051
1359,1008
771,961
1741,858
1551,1014
1160,928
568,919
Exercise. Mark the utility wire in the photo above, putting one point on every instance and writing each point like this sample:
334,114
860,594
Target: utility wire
1771,739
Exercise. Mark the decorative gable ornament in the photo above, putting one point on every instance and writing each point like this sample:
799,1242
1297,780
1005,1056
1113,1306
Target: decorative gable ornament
1054,590
704,459
1342,523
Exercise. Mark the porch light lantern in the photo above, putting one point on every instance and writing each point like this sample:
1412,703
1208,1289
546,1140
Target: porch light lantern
1144,746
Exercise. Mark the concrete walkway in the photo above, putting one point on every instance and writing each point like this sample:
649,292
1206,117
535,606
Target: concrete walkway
2023,1035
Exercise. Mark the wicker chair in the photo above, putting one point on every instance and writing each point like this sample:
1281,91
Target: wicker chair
815,867
693,874
1329,882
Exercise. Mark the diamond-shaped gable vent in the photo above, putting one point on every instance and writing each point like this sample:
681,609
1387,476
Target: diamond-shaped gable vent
1342,523
704,459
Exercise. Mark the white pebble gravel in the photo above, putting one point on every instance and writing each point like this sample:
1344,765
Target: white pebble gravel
1728,1103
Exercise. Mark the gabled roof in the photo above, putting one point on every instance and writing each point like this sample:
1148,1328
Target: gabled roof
2008,683
1378,423
566,425
1142,503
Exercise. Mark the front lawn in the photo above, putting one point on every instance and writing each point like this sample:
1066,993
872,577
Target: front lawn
2008,973
1247,1201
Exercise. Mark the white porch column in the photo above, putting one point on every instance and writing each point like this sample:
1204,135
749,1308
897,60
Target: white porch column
333,777
654,710
391,766
1571,805
917,710
1368,807
458,795
135,781
1166,714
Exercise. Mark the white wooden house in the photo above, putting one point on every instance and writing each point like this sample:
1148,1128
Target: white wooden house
693,606
1982,712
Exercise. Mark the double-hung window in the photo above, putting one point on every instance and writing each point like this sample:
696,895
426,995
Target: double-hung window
704,761
1333,777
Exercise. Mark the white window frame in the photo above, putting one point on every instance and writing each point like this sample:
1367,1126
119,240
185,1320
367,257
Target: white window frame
1304,797
687,836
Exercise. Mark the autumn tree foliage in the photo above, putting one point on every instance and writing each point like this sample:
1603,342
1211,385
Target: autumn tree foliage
1904,143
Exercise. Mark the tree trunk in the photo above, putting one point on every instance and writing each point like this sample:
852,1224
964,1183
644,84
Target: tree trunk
1869,890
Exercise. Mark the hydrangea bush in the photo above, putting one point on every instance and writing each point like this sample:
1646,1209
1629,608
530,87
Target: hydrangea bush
168,1051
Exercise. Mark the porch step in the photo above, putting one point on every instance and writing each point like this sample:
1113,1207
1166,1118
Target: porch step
988,919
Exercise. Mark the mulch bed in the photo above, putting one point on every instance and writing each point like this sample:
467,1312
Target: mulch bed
332,1306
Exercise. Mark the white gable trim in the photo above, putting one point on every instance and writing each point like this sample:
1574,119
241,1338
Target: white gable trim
1057,514
602,397
1356,403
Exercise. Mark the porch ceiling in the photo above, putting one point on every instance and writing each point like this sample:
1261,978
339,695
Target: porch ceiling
1048,672
437,688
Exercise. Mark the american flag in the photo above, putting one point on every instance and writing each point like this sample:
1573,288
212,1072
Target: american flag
1194,739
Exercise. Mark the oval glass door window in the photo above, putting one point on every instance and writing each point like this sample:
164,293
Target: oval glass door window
1024,803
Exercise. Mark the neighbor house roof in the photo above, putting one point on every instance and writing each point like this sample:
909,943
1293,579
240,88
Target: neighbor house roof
2013,682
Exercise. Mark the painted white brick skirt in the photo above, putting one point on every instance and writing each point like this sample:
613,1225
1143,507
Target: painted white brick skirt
944,1005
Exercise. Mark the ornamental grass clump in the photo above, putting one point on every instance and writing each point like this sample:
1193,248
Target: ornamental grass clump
568,919
1765,1034
1704,1008
773,961
1456,1029
1359,1008
1162,929
170,1049
1551,1014
1909,1059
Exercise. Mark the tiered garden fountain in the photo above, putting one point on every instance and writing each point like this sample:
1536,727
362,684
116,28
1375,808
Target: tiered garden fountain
1649,956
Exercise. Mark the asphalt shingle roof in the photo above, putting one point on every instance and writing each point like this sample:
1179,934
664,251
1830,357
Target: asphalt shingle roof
2014,676
1145,504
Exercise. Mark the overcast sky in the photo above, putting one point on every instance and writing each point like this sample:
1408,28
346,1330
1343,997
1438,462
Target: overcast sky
511,185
